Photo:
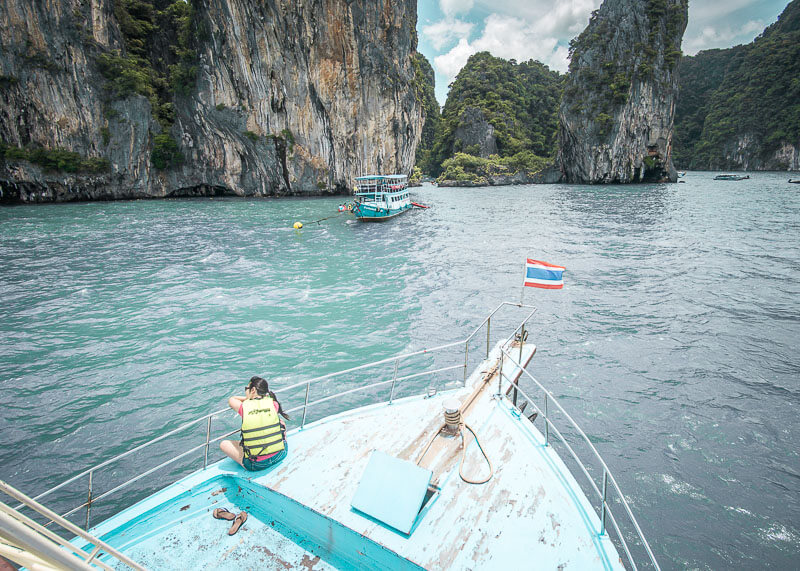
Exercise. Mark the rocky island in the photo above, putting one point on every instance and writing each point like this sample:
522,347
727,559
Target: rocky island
118,99
508,123
616,115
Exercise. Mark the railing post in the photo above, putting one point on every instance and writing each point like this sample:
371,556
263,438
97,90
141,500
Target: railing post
89,502
305,405
500,374
394,380
603,511
488,329
208,438
521,342
546,423
466,357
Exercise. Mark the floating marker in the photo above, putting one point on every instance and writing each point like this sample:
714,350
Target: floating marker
298,225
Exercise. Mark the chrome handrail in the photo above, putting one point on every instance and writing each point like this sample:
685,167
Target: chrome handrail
393,381
604,507
47,546
307,384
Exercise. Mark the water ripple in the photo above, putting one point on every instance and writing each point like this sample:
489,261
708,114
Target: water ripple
674,342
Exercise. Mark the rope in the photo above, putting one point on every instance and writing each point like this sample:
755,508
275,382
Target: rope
454,419
328,217
478,442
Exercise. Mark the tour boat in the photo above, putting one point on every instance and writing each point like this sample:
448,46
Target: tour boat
380,197
423,463
731,177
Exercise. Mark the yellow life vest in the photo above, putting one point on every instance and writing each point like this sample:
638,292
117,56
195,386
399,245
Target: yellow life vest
262,432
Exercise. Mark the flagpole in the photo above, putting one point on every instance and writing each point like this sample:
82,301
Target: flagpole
524,275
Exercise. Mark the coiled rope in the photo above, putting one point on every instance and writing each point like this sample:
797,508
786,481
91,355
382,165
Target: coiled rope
453,425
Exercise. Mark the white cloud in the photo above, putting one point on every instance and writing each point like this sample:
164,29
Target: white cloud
450,64
561,19
509,38
451,7
720,37
446,31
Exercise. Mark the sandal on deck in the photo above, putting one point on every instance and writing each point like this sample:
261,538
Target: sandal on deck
241,517
222,513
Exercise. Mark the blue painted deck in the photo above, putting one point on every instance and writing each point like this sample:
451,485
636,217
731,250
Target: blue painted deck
532,512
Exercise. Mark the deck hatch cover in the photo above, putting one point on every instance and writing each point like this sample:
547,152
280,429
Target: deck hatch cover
392,490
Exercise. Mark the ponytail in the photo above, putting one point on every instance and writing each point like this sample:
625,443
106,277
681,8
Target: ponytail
262,388
280,408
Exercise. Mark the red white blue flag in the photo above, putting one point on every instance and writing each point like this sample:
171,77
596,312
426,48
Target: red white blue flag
543,275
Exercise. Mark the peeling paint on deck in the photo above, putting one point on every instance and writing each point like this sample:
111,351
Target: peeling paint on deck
531,510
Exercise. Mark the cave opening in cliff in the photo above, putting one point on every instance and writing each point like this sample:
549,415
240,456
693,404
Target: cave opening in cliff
201,190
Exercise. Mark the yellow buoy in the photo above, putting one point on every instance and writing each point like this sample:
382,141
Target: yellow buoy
298,225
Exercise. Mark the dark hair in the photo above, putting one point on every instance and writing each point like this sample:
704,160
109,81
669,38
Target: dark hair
262,388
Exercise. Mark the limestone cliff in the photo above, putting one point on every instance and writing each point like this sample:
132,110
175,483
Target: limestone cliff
265,98
616,114
738,108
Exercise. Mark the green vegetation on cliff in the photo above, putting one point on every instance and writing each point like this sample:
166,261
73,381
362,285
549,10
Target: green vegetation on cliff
55,159
603,86
700,76
744,100
425,84
159,61
518,100
463,167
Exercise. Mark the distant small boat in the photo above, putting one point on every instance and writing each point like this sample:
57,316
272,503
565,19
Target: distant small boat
681,173
794,181
731,177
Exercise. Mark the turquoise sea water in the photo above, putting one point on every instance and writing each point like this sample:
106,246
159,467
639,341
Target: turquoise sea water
674,342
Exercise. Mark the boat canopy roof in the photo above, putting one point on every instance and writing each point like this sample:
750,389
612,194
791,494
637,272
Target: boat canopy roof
371,177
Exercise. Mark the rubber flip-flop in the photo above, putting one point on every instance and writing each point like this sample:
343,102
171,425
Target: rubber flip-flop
241,517
222,513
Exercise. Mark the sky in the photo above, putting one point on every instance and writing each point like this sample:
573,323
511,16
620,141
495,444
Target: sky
452,30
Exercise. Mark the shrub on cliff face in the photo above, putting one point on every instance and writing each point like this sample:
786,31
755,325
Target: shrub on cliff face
59,160
159,61
165,152
425,85
126,75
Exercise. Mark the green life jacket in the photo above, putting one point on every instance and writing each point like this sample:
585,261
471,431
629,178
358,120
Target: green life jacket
262,432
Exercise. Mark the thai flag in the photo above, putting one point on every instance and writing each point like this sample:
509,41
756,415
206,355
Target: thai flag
543,275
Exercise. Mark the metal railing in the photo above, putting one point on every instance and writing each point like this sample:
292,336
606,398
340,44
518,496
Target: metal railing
31,544
92,498
603,508
392,383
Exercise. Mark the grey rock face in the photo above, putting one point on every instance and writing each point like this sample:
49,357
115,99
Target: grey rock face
475,131
616,115
291,98
746,152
